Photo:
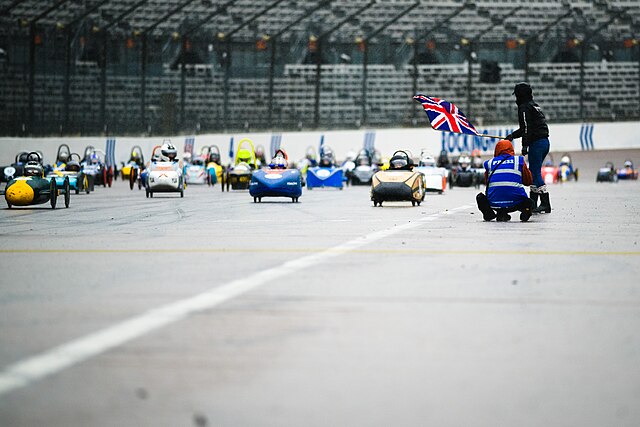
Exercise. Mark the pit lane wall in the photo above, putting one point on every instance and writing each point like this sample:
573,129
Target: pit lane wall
564,137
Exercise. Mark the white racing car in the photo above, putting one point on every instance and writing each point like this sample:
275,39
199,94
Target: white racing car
165,173
435,178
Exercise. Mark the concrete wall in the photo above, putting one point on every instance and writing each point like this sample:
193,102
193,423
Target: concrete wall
564,137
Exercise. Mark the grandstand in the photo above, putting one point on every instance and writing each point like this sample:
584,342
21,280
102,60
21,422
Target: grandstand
165,66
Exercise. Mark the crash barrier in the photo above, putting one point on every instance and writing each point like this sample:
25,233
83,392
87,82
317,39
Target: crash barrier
564,137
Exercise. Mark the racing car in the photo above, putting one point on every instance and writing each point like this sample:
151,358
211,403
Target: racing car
32,188
195,171
215,171
463,175
364,170
165,173
239,175
435,177
550,172
607,173
276,180
566,170
15,169
95,167
67,165
132,170
398,183
628,171
326,174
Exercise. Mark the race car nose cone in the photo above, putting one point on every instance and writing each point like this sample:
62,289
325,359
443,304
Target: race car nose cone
19,194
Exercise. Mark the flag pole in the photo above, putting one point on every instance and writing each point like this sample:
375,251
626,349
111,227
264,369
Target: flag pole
484,135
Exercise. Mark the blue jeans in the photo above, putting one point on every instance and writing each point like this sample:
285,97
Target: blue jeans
538,150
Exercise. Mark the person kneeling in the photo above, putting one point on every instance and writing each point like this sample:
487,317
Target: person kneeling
505,178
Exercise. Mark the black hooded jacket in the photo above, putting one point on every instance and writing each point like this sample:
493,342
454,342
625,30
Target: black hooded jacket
533,124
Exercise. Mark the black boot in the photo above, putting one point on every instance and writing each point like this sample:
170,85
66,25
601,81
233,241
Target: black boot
545,204
503,215
483,204
526,210
534,199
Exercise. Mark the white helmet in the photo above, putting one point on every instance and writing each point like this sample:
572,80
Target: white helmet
168,152
565,160
427,160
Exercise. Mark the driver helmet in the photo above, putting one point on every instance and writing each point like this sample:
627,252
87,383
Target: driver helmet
244,155
93,158
427,160
464,162
23,158
548,163
168,152
33,168
565,160
278,162
186,157
214,157
398,162
327,158
63,157
628,164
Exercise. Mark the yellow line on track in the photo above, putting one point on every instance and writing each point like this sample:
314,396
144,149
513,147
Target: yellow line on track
309,250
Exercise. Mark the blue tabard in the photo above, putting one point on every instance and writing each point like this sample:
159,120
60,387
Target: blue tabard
505,189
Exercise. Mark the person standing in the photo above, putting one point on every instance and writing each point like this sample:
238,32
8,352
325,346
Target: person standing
506,176
535,142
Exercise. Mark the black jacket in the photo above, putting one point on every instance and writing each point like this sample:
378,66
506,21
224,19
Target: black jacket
533,124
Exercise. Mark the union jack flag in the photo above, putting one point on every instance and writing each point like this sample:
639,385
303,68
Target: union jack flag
445,116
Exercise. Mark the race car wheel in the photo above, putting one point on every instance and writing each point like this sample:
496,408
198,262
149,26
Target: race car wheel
78,183
9,205
132,178
104,176
54,193
151,194
85,184
67,192
255,200
110,177
413,203
181,193
147,192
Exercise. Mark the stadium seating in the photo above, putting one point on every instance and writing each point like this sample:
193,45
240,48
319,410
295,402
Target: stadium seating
611,92
610,88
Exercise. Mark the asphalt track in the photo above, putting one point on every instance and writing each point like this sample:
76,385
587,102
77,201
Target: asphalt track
213,310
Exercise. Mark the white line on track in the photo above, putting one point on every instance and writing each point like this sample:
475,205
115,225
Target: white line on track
27,371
